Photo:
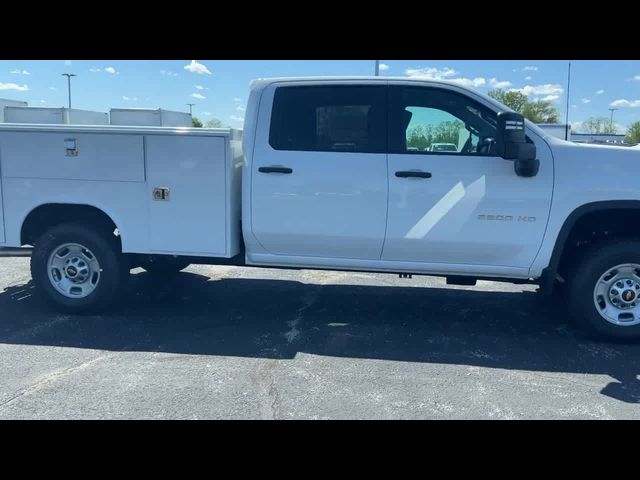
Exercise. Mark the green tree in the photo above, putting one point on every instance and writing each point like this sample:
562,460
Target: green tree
196,122
538,111
598,126
213,123
541,112
514,100
448,132
422,136
633,133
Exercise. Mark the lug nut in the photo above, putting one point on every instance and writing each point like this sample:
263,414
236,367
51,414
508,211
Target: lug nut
629,282
614,292
619,284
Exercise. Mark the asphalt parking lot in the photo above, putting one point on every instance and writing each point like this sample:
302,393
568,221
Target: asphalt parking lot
229,342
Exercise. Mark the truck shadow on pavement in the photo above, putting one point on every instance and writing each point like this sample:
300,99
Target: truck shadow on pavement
266,318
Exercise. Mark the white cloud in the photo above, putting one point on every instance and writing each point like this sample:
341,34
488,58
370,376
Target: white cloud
240,108
469,82
43,101
237,99
586,100
68,63
130,99
13,86
195,67
600,92
446,73
53,88
168,73
200,87
383,67
236,118
636,78
430,73
626,103
495,83
199,96
574,106
528,77
530,68
546,89
20,72
109,70
207,114
550,98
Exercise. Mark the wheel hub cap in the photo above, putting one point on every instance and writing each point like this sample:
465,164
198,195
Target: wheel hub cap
74,270
617,295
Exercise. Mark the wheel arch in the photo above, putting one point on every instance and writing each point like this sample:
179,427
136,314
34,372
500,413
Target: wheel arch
50,214
573,220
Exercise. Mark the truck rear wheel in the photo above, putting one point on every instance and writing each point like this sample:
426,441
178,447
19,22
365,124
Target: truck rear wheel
164,265
78,269
604,291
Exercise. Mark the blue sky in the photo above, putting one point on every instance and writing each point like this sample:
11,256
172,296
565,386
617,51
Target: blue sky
219,88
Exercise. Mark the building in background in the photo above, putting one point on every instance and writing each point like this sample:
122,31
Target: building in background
15,111
559,130
5,102
150,117
54,116
597,138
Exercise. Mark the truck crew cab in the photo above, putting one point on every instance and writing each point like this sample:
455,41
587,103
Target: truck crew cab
331,173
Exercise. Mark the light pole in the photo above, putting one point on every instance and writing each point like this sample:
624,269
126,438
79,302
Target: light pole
377,67
611,124
191,108
69,75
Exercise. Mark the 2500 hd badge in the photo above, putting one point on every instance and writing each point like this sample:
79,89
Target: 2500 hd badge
507,218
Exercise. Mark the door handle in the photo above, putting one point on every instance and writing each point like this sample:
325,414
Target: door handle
286,170
413,174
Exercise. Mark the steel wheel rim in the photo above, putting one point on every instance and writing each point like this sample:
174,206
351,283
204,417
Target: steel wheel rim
74,271
617,295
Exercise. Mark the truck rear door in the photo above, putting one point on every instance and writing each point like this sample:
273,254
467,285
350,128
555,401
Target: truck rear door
319,171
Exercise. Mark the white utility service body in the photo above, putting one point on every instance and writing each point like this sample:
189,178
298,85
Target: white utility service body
335,184
115,169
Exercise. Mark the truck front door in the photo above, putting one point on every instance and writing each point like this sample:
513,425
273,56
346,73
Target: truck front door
452,200
319,171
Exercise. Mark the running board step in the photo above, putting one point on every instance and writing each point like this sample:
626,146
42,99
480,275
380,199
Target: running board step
15,252
461,280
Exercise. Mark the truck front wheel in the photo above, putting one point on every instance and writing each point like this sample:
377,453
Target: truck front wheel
604,291
78,269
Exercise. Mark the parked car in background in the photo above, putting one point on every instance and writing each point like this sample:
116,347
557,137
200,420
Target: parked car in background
443,147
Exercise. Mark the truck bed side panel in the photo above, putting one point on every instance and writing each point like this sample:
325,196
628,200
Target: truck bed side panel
192,220
98,156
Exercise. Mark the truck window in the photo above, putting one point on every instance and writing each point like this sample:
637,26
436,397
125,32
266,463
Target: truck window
425,120
329,119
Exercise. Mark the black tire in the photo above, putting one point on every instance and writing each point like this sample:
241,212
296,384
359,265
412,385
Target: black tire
114,268
594,263
164,265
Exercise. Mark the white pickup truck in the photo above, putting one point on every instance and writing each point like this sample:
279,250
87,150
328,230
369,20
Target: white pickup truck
326,177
